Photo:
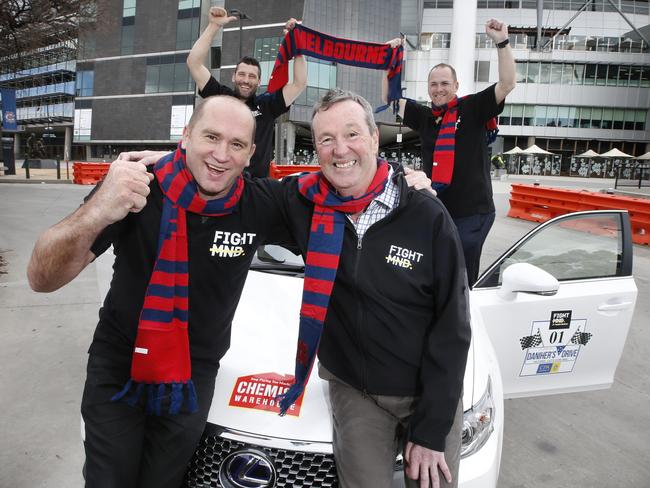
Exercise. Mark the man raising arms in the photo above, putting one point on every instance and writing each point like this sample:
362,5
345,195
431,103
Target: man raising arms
454,148
246,79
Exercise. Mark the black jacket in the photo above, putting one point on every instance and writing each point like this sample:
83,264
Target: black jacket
398,320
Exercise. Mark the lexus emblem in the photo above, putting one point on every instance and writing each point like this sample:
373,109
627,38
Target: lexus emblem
247,468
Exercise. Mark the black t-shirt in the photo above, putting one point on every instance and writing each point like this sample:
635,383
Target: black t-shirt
220,251
470,190
266,108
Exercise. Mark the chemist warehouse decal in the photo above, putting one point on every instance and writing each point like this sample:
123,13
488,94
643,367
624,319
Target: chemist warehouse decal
258,391
553,345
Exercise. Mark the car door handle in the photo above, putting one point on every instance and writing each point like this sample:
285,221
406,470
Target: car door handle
610,307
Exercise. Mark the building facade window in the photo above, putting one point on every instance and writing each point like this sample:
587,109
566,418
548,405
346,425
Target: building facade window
583,74
168,73
629,6
187,23
439,4
574,117
482,71
128,27
570,43
83,117
182,109
435,40
265,51
84,83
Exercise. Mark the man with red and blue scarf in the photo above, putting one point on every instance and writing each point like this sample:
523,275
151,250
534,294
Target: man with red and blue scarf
454,134
384,305
184,234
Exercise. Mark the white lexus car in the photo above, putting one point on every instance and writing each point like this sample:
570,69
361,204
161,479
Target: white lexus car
551,315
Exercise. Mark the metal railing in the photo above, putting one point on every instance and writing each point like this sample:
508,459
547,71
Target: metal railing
638,177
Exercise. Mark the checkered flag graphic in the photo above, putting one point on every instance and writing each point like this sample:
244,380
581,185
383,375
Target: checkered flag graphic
580,338
531,341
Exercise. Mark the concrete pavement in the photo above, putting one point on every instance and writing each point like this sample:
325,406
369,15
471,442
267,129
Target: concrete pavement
594,439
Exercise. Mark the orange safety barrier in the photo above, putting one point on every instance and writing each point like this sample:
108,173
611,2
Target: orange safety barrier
540,203
89,173
278,171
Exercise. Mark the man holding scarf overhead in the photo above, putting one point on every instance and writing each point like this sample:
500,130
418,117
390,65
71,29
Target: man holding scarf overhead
246,79
454,134
384,305
184,235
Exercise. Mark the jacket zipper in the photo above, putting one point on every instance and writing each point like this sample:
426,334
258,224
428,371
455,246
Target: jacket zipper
364,374
360,309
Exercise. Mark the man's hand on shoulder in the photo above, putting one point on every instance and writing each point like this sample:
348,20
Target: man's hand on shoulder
418,180
425,465
124,190
219,16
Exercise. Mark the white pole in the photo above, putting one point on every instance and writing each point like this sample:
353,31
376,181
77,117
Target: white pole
463,40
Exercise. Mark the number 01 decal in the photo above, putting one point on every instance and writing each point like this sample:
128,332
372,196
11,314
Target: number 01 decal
554,344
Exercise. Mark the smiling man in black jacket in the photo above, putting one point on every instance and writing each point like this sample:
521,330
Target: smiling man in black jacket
396,334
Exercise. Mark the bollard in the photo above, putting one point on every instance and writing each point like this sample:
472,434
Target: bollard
58,169
27,168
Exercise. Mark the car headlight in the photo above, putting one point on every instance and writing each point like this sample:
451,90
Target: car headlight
478,424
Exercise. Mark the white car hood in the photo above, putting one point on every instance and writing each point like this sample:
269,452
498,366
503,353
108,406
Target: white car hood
262,354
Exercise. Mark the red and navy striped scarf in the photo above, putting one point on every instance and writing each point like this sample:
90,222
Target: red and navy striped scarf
444,152
321,263
161,358
302,40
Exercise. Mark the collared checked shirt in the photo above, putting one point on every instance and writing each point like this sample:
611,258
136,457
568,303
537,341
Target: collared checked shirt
378,208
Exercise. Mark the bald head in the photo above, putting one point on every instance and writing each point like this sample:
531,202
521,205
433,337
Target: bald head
221,105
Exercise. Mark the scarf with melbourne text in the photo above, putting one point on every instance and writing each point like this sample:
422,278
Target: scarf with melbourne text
321,263
302,40
161,357
444,152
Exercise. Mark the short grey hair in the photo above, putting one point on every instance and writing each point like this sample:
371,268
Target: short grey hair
336,95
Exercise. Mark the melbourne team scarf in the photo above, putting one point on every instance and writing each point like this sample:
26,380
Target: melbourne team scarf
321,264
161,358
444,151
302,40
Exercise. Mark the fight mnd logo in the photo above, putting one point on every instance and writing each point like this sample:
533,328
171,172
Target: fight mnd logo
402,257
231,244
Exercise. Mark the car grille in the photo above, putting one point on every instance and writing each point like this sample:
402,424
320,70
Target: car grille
294,468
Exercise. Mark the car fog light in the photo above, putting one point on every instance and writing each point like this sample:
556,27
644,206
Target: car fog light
478,424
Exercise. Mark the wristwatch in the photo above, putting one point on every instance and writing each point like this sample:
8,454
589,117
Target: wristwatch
503,43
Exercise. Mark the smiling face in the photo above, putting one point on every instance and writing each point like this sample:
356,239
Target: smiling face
442,85
246,79
219,145
346,146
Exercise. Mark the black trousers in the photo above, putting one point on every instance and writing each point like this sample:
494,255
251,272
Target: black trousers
125,448
473,231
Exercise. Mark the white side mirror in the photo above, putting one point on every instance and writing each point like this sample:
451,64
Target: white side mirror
526,278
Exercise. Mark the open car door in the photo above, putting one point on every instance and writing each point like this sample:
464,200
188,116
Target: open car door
557,305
